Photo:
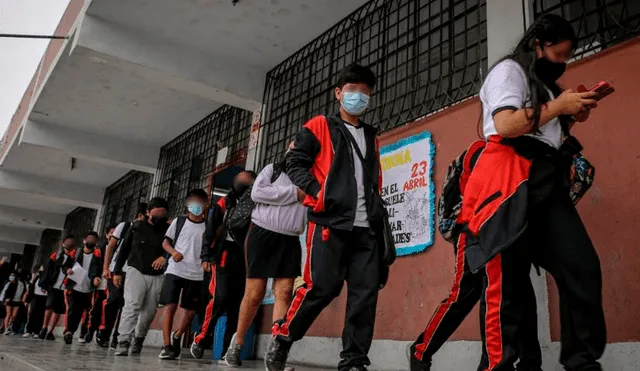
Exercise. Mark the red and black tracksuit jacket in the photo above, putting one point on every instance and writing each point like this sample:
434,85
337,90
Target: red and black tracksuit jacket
55,265
95,266
323,147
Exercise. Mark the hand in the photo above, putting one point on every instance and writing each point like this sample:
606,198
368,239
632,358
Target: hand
158,264
571,103
117,280
69,272
96,282
318,195
177,257
106,273
301,195
206,266
3,260
583,115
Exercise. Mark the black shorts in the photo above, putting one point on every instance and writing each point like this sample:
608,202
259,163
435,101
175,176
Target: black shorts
181,290
56,302
14,303
272,255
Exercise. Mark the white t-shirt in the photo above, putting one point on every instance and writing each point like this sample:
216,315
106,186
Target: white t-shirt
361,219
507,86
117,234
37,290
85,285
189,244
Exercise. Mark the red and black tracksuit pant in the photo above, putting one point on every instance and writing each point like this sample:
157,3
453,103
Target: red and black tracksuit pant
77,304
557,241
92,317
333,257
228,281
465,294
111,309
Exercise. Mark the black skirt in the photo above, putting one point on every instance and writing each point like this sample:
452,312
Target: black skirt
272,255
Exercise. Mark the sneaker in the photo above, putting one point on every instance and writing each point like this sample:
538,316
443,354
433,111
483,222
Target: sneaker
414,363
43,334
89,337
136,347
197,351
81,340
27,335
36,336
276,357
68,337
122,349
8,331
101,343
167,352
50,336
356,368
114,344
232,358
176,344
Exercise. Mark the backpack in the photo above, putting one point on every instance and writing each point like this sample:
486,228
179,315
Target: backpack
239,218
450,202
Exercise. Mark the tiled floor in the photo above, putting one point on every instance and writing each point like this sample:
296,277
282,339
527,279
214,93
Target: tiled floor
18,354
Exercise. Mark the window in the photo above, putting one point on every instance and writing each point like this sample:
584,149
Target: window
122,197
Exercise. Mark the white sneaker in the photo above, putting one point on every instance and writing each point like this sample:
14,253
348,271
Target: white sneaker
81,340
27,335
8,331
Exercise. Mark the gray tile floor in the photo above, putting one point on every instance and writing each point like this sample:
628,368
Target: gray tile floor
18,354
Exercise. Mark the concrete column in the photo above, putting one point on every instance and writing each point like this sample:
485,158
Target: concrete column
506,23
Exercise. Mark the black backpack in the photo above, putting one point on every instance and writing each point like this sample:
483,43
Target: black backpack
239,218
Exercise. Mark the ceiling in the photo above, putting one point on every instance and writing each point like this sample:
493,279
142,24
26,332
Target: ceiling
261,32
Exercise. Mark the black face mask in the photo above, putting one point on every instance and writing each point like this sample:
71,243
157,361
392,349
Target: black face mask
90,246
159,221
240,188
547,71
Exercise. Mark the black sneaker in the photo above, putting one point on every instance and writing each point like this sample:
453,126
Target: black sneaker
197,351
276,357
50,336
176,344
68,337
167,352
114,344
357,368
136,348
89,337
100,342
416,364
123,348
232,358
43,334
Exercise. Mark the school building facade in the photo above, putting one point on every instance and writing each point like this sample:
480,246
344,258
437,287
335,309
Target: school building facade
101,117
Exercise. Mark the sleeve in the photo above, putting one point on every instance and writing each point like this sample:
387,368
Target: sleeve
125,249
306,147
171,232
208,252
95,268
505,88
265,192
117,233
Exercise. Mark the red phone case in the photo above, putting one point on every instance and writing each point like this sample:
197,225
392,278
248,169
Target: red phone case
603,89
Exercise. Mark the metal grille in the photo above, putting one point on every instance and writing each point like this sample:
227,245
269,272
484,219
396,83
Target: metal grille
188,161
79,222
427,55
599,23
122,197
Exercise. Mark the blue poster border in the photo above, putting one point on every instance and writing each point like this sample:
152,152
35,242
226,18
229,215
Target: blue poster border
425,135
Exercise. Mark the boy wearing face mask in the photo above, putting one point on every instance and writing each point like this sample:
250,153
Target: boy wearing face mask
343,216
53,283
142,251
78,294
184,275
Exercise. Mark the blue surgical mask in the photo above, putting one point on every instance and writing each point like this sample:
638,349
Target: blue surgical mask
12,277
355,103
195,209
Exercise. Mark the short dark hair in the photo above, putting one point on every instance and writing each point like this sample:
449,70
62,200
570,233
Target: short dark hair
200,193
141,209
356,74
110,227
252,173
92,233
157,203
69,236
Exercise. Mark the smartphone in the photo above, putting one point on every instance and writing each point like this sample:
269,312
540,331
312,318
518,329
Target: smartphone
603,89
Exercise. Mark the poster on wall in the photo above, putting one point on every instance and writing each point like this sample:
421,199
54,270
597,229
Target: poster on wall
408,189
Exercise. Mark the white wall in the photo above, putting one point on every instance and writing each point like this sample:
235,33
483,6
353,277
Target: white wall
20,58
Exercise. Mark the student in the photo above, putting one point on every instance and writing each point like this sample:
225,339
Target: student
225,259
79,288
37,305
526,117
273,248
93,318
341,245
112,306
53,283
13,294
142,251
184,275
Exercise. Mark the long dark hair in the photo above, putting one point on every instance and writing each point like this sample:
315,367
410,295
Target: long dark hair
549,28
